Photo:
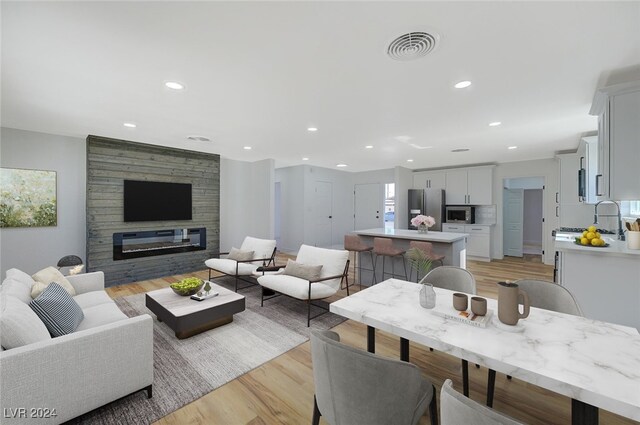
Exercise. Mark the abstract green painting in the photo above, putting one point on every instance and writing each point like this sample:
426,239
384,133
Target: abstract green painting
27,198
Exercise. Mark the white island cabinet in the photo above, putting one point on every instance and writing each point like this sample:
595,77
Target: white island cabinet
604,281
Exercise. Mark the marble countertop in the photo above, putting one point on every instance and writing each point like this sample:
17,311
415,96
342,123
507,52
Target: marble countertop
431,236
565,242
588,360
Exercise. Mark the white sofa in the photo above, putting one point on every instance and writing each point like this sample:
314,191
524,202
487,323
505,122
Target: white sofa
108,357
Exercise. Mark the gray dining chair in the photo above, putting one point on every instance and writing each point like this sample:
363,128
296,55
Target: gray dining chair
459,280
356,387
545,295
456,409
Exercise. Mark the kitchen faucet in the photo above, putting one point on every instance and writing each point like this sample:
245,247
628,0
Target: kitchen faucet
619,216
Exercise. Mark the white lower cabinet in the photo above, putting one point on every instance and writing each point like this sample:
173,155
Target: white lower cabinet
478,242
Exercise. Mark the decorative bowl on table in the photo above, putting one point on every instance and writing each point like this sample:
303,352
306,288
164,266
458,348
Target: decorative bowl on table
188,286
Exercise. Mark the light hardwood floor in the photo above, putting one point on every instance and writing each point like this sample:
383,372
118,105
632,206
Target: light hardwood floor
281,390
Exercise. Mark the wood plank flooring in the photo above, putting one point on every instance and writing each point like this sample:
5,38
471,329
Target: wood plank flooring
281,390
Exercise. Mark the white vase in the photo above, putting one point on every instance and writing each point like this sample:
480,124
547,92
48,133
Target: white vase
633,239
427,296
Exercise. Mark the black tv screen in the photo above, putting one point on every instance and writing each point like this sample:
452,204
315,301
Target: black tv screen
155,201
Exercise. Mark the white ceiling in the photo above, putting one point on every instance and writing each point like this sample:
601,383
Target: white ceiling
260,73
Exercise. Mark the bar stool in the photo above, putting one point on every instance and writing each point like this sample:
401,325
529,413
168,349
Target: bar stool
427,250
354,243
384,247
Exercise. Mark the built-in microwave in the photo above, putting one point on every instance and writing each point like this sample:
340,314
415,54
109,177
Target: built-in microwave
461,214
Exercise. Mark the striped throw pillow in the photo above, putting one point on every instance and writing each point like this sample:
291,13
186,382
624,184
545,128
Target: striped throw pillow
60,313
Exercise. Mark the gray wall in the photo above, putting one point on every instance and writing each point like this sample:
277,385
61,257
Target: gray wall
246,201
32,249
109,163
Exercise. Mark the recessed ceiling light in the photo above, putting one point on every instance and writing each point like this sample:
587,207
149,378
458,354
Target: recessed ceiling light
247,148
341,165
305,159
512,147
174,85
312,129
462,84
494,124
199,138
368,147
460,150
409,160
129,125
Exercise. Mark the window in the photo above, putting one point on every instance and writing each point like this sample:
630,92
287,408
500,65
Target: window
389,205
634,208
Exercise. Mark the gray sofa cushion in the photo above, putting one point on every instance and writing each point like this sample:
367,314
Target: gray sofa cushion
101,314
89,299
19,325
59,312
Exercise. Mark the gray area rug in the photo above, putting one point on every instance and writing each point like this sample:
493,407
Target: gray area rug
185,370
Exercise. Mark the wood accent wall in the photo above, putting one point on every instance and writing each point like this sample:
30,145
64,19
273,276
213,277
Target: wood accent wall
109,163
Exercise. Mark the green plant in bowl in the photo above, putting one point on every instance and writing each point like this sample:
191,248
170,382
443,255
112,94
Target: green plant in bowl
187,287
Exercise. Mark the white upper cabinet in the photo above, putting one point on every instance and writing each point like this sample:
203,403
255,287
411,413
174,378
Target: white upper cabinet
618,111
480,186
469,186
429,180
456,187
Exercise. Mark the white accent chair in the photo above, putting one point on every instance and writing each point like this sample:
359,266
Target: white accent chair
335,266
264,252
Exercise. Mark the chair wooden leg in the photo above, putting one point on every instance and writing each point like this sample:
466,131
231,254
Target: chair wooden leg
491,385
433,408
465,378
316,413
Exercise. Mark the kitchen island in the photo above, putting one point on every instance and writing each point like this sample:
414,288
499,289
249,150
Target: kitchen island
604,281
452,245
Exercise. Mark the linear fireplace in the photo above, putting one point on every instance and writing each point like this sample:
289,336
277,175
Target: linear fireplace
158,242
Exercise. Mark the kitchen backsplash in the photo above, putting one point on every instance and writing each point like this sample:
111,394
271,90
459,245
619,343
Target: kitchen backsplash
486,214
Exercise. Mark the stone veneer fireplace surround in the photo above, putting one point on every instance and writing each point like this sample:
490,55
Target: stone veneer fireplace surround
109,163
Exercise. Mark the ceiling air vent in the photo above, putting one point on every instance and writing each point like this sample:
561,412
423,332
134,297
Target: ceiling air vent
199,138
412,46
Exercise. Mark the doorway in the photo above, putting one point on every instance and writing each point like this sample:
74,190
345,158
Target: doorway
389,206
523,216
367,206
323,208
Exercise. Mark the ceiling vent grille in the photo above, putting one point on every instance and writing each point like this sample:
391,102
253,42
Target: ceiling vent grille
199,138
411,46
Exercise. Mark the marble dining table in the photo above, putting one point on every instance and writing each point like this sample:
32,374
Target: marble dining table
596,364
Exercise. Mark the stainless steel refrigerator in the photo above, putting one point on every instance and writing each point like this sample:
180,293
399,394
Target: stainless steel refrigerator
427,202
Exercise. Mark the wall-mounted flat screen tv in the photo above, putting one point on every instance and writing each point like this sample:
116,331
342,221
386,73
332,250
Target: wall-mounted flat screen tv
156,201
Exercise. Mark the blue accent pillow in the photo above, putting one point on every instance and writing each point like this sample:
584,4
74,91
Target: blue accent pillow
60,313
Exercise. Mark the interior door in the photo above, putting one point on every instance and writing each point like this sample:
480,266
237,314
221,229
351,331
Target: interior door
368,202
323,208
513,213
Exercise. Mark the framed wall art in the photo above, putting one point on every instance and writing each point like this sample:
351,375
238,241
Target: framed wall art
28,198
